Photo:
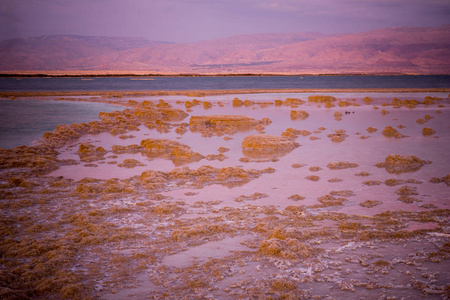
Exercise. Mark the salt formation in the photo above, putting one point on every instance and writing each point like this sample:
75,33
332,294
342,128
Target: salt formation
178,153
396,163
262,145
299,114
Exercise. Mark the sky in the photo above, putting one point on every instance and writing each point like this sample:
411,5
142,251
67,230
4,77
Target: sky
185,21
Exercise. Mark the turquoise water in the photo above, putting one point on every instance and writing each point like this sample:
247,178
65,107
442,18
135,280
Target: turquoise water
24,121
10,84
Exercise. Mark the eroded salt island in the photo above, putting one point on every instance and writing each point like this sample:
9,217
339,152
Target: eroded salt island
264,196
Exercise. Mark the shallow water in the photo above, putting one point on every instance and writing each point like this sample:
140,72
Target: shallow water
24,121
208,240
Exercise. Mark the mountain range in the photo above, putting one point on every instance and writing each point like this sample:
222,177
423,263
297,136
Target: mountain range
400,50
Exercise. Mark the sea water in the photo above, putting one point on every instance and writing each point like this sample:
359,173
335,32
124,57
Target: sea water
34,84
24,121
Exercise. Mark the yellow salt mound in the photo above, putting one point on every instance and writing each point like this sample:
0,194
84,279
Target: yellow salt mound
396,163
178,153
221,122
299,114
264,142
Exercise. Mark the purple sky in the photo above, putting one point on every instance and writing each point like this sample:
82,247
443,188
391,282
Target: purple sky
195,20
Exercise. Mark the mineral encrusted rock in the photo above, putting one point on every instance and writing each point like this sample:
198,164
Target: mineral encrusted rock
299,114
221,122
178,153
396,163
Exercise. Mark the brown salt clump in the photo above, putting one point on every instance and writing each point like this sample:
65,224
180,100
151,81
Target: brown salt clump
342,193
384,112
124,136
335,180
90,153
219,157
329,200
248,103
389,131
207,105
427,131
130,163
296,197
367,100
315,169
396,163
262,145
117,149
281,244
370,203
396,102
363,173
371,129
321,98
237,102
252,197
407,191
338,136
337,116
223,149
39,159
394,182
372,182
293,102
313,178
299,114
178,153
225,123
341,165
189,104
445,179
291,133
296,166
420,121
181,130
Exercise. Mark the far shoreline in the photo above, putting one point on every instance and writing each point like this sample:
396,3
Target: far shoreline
97,74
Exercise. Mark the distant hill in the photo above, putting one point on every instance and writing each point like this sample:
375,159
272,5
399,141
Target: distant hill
400,50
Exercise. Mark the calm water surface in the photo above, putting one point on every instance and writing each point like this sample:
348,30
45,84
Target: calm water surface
34,84
25,121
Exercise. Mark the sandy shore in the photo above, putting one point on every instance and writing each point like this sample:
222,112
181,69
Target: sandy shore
197,197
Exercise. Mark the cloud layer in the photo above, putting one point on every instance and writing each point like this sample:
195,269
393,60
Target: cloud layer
194,20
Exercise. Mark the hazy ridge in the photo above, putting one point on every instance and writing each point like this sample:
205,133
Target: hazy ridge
402,50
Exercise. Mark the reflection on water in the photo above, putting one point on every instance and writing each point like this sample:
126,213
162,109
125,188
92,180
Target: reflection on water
241,226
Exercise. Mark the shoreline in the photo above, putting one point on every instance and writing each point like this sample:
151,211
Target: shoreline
169,74
202,93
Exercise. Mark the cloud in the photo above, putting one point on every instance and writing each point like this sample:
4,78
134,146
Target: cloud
193,20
